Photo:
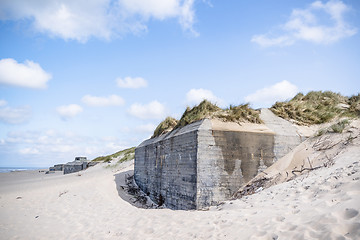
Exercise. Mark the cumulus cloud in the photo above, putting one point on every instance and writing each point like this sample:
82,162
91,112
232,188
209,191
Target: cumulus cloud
267,96
3,103
15,115
152,110
129,82
79,20
69,111
26,151
112,100
305,24
28,74
195,96
53,146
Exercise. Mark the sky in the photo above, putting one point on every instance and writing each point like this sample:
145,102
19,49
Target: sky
90,78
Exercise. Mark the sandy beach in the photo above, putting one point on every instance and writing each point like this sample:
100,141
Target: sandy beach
322,204
179,120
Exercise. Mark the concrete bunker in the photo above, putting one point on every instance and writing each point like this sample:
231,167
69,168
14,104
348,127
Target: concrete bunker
206,162
79,164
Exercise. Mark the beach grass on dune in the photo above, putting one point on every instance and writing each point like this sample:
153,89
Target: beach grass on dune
128,155
317,107
206,109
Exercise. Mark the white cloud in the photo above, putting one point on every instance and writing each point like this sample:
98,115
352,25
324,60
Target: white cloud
152,110
14,115
152,8
161,10
112,100
79,20
265,41
265,97
52,146
3,103
304,24
28,74
129,82
195,96
68,111
26,151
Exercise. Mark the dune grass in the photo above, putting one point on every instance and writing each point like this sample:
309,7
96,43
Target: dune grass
337,127
354,102
242,113
317,107
128,155
165,126
313,108
206,109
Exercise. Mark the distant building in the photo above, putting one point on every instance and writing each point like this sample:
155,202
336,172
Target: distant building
80,163
80,159
57,167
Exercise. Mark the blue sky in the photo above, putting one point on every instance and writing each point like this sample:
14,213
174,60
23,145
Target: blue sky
88,78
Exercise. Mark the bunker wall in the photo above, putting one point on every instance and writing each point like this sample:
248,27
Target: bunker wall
227,160
165,168
71,168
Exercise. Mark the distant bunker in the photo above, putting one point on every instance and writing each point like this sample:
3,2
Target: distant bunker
79,164
206,162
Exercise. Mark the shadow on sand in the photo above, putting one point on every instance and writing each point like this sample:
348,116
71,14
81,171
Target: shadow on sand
130,193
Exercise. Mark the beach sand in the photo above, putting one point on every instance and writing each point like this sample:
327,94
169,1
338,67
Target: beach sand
322,204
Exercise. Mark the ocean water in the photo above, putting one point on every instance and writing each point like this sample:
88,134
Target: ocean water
12,169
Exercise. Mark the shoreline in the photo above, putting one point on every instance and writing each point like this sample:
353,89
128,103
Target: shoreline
20,169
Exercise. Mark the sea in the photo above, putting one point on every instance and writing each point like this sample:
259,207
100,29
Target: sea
12,169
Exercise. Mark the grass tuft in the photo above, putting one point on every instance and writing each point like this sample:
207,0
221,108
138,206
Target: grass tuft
128,155
335,128
165,126
206,109
317,107
340,126
354,102
241,113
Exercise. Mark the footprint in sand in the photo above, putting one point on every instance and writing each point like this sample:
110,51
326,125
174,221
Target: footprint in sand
264,235
353,231
332,202
288,227
350,213
279,219
296,211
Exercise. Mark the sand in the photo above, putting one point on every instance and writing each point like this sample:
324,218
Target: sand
321,204
217,124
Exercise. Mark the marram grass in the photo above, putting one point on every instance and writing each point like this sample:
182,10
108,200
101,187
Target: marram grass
128,155
317,107
206,109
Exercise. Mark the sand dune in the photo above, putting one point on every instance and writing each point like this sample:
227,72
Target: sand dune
321,204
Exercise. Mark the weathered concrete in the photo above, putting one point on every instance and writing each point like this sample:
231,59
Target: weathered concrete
165,167
205,162
227,160
73,167
79,164
59,167
91,164
287,136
